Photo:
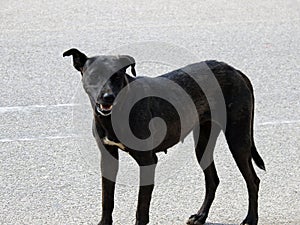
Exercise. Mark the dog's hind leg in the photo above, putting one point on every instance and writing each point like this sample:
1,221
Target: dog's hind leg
206,137
240,141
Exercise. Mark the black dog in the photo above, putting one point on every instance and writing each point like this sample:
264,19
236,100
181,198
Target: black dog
205,98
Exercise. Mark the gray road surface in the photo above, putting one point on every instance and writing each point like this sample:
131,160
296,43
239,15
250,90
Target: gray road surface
49,171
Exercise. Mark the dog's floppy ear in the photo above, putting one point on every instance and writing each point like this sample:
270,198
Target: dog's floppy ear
128,61
79,58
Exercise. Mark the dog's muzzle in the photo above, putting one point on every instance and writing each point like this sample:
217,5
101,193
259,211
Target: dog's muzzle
104,104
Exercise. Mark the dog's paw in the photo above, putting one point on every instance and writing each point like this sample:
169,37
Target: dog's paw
105,222
249,221
197,219
102,223
138,222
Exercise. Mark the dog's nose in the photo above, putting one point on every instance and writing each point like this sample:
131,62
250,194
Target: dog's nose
109,98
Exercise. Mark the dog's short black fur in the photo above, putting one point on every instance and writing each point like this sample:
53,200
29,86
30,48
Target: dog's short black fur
239,104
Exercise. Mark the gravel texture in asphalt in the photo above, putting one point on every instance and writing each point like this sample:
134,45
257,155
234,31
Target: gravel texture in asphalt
49,162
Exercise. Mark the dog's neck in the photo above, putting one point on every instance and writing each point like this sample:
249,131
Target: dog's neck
104,125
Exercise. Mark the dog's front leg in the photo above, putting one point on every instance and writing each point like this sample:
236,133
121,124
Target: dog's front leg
109,169
147,162
108,188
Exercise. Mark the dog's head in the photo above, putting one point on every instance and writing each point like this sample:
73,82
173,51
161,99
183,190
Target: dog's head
103,77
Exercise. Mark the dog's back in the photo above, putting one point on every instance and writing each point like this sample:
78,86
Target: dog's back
175,102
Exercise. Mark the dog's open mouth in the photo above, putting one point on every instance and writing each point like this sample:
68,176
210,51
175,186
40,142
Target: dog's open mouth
104,109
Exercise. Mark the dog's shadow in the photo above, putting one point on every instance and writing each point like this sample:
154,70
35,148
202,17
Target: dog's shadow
220,224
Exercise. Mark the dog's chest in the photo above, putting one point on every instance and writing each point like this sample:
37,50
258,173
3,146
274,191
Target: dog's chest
106,141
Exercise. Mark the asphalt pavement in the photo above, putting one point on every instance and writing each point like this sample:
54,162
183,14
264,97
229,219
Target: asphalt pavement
49,162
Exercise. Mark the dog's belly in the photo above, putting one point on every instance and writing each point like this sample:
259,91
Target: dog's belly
177,127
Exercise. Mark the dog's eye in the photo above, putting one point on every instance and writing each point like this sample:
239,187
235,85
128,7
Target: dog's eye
117,77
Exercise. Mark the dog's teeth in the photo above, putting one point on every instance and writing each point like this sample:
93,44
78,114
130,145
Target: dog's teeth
105,109
98,110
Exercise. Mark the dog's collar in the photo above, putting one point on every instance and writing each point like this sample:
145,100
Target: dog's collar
106,141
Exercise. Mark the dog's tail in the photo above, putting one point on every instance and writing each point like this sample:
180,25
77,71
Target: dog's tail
256,157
